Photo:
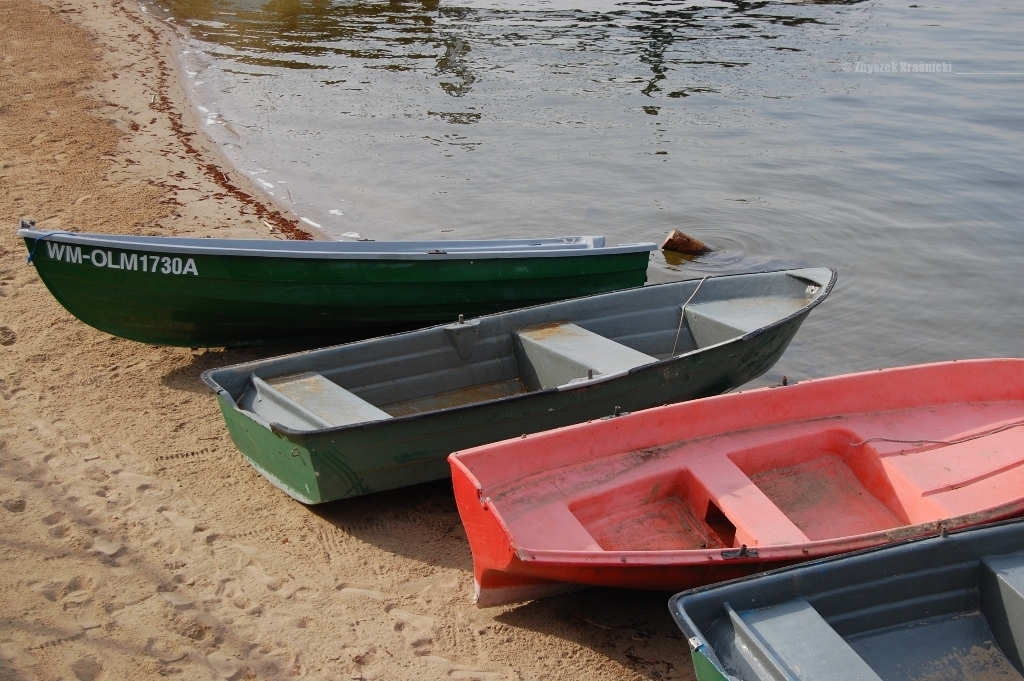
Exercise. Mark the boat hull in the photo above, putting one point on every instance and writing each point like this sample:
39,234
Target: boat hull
390,454
697,493
193,298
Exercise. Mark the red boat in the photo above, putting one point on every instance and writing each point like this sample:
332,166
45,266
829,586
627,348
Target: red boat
689,494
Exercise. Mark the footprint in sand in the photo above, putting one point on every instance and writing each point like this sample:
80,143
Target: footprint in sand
93,473
176,600
361,593
57,529
78,591
17,505
80,597
106,547
87,668
12,652
43,428
183,523
199,632
164,652
136,481
223,665
51,590
416,629
272,583
297,589
7,336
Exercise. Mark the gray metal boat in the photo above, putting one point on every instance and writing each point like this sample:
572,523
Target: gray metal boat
948,607
384,413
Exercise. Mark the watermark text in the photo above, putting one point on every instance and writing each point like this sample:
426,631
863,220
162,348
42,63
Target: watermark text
898,67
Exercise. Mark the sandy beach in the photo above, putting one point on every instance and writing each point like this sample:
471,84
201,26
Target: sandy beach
137,543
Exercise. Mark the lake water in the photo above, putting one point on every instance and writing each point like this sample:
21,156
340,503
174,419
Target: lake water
884,139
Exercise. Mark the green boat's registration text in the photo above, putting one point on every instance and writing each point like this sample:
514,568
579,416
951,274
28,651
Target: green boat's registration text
122,260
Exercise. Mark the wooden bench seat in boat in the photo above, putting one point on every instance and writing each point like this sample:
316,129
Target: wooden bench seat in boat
308,401
793,641
555,354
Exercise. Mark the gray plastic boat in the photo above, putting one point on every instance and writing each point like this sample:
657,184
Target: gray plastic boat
386,412
948,607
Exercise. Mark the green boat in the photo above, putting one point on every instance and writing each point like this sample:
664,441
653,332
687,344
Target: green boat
224,292
384,413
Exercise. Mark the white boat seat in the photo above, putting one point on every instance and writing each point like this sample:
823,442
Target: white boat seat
796,633
308,401
554,355
722,320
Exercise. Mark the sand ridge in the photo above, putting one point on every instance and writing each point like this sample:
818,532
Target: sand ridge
136,541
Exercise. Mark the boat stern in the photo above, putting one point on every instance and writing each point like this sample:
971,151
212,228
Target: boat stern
285,461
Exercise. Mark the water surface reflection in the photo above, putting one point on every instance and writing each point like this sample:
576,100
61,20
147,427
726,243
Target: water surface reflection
742,122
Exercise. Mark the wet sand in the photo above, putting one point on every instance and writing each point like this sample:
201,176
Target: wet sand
136,542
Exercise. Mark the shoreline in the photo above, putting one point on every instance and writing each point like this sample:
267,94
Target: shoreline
162,144
138,543
175,102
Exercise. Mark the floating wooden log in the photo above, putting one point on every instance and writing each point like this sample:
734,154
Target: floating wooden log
680,242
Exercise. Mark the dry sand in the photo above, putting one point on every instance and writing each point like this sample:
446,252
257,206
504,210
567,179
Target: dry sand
136,541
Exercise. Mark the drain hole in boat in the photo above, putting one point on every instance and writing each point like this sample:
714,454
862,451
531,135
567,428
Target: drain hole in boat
719,524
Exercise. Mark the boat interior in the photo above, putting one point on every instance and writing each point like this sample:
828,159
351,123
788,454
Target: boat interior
944,608
786,486
561,346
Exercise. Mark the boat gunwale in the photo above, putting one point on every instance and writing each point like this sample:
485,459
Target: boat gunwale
439,250
822,548
281,429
